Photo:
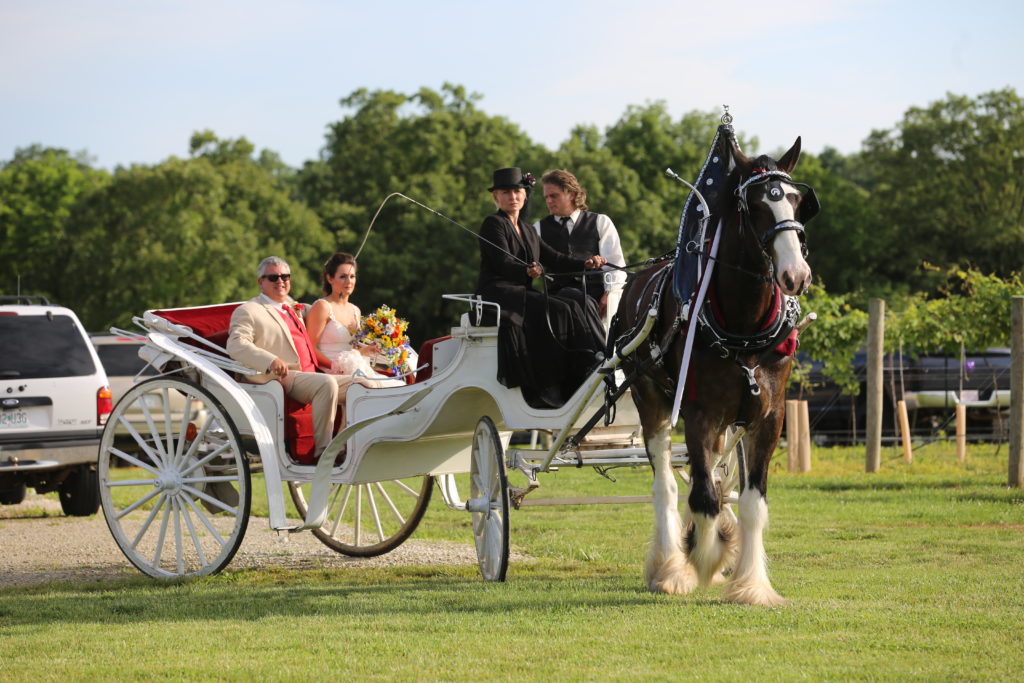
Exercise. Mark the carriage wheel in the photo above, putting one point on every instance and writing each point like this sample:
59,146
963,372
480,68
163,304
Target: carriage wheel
175,492
488,502
366,520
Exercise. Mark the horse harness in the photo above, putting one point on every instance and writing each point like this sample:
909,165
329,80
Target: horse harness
764,345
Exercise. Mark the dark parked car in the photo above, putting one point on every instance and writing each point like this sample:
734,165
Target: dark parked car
931,385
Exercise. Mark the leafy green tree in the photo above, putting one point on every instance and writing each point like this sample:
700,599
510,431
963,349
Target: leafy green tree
40,189
841,239
185,232
947,184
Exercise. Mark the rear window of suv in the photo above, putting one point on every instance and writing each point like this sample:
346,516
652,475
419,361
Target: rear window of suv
36,346
122,359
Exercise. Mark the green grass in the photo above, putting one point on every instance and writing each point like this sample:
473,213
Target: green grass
912,572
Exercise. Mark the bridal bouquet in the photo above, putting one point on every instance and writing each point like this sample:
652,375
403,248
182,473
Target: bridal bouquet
385,329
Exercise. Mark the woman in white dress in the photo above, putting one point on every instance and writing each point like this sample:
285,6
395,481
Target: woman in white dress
331,323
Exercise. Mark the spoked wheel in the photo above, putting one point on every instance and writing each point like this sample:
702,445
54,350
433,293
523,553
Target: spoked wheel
488,502
174,479
366,520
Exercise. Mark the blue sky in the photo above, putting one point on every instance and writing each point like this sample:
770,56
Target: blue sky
129,81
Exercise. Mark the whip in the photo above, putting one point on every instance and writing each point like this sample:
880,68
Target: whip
440,215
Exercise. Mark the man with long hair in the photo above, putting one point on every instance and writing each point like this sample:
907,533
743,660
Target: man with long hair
572,229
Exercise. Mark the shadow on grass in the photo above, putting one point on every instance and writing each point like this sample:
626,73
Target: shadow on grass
252,594
971,487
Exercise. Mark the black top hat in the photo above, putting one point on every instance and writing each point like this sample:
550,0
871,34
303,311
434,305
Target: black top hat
511,178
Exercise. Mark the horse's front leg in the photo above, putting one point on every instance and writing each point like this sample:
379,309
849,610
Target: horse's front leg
749,583
711,534
666,569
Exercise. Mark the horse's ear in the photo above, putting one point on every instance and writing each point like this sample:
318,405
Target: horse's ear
737,156
788,161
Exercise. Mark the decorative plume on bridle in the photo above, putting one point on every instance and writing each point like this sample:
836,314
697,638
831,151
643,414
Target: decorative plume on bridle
694,227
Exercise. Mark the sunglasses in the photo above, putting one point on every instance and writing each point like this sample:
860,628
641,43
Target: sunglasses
274,277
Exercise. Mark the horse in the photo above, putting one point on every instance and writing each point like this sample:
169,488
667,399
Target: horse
737,376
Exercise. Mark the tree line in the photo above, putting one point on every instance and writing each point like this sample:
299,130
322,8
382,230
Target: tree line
941,192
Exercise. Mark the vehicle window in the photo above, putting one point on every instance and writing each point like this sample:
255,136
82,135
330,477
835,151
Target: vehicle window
122,359
43,346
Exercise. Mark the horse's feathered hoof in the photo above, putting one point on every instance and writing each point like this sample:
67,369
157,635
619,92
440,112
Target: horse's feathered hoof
711,546
672,576
762,595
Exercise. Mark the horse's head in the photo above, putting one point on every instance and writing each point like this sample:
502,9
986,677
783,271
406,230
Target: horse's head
775,208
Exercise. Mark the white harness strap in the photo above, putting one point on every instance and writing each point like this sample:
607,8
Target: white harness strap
691,329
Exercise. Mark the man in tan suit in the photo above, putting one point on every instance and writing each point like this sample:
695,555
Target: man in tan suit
268,335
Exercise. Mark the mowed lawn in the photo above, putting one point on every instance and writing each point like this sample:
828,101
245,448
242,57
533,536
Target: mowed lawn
913,572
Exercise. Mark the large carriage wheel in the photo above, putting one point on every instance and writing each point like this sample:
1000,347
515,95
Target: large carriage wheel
366,520
182,506
488,502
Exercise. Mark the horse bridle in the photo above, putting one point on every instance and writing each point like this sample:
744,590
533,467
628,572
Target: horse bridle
806,210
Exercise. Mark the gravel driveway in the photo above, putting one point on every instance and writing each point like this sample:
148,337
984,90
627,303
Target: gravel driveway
55,548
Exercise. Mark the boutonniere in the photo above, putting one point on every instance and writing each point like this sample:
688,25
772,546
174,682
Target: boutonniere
300,310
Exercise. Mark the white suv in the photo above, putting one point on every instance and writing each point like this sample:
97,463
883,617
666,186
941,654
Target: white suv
54,401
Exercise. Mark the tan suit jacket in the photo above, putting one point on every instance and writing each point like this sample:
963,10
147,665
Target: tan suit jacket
258,334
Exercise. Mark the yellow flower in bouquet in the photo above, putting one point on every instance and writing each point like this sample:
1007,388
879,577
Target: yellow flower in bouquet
385,329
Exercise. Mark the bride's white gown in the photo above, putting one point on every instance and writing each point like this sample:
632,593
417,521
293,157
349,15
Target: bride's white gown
351,366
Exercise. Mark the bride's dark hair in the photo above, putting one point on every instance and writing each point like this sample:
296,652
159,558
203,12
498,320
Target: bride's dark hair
339,258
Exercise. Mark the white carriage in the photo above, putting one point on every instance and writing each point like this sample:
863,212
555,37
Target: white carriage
177,494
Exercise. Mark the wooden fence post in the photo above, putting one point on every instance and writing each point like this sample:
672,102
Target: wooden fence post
805,437
792,435
908,451
961,433
876,334
1016,468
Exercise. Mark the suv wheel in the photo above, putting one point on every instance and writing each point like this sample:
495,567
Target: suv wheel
80,492
12,495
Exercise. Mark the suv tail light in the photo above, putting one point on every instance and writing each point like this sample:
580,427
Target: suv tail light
104,405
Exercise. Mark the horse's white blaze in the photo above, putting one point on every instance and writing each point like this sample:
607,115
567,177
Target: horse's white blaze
666,570
791,270
749,583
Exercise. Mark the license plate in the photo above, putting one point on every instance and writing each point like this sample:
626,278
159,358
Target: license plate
969,396
13,419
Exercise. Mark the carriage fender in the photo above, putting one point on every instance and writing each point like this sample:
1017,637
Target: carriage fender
321,488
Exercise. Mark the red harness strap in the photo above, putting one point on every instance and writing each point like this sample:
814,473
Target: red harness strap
787,347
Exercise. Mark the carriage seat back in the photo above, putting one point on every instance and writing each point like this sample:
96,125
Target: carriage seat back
433,355
212,323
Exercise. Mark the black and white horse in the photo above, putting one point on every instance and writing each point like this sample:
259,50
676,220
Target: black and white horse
737,375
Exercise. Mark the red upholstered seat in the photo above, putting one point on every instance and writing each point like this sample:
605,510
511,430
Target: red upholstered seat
213,324
426,356
209,322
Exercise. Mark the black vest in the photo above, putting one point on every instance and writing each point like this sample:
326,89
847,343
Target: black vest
584,242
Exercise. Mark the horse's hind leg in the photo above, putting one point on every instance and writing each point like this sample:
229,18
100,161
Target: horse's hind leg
666,569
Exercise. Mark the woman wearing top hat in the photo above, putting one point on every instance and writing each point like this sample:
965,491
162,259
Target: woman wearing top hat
549,369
